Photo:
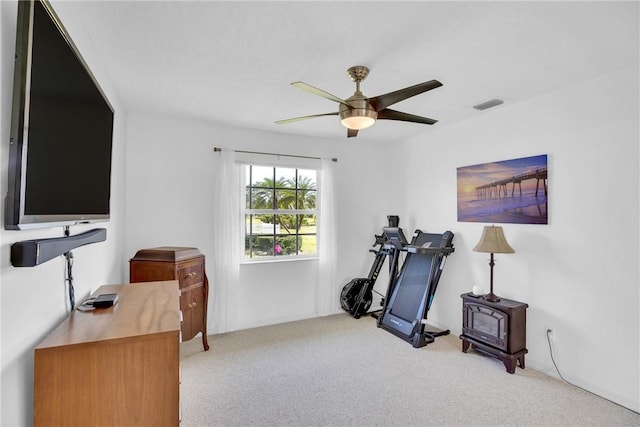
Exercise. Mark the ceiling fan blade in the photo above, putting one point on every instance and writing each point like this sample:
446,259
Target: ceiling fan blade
320,92
388,114
297,119
383,101
352,133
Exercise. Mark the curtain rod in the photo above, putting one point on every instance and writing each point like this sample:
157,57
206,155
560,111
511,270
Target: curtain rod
218,149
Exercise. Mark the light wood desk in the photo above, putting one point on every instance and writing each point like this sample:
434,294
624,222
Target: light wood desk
117,366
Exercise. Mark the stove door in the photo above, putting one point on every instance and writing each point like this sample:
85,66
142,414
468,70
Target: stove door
486,324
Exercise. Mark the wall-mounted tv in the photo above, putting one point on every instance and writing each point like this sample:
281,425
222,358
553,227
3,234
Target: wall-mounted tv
61,129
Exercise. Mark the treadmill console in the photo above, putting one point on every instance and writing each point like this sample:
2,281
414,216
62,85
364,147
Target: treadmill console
395,237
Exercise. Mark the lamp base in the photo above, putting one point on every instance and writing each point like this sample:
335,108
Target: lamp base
491,297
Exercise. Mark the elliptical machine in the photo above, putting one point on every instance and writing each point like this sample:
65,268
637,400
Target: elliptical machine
357,295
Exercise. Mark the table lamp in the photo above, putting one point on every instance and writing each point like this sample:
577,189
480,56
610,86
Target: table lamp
493,242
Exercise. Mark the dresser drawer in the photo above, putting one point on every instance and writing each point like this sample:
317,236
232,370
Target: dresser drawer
190,273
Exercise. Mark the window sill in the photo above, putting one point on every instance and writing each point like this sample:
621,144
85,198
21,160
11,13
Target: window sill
278,259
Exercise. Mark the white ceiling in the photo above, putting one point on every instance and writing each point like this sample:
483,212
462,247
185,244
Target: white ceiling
232,62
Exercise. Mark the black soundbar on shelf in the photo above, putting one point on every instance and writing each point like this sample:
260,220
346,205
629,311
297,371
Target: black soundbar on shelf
30,253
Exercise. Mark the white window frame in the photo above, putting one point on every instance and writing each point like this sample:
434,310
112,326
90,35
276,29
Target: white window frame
271,161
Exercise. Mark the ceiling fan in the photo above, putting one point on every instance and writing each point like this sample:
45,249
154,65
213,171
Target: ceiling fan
359,112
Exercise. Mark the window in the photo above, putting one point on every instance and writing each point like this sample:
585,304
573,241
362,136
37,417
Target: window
281,212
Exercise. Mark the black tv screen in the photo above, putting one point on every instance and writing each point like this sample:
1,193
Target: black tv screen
61,129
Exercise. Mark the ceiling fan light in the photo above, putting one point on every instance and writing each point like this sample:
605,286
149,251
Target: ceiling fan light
358,118
357,122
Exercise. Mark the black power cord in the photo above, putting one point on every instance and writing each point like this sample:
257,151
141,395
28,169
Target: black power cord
69,278
68,256
554,362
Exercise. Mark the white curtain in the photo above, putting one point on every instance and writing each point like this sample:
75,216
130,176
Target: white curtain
327,288
226,240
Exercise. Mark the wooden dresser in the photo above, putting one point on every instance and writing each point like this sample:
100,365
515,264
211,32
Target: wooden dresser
186,265
113,366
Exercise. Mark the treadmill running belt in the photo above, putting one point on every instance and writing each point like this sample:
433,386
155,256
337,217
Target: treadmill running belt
410,291
409,296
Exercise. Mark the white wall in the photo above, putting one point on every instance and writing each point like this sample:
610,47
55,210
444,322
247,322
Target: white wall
170,203
579,274
33,299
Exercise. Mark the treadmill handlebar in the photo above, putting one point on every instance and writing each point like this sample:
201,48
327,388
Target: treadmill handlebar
422,250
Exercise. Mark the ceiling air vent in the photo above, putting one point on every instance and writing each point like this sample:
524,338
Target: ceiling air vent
489,104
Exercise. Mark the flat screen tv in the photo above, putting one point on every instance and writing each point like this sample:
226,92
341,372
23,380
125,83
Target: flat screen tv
61,129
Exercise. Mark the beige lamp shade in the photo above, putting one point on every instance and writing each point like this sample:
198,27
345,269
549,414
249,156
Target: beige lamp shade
493,241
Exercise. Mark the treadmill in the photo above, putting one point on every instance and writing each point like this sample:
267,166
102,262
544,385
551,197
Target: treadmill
411,291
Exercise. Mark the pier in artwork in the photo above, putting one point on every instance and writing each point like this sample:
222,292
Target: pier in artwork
499,188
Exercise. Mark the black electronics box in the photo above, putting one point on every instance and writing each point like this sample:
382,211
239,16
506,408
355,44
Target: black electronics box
105,300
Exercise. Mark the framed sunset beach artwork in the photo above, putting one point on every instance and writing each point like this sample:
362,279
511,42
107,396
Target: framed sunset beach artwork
509,191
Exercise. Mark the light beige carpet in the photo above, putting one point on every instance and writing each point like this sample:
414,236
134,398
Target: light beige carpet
339,371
